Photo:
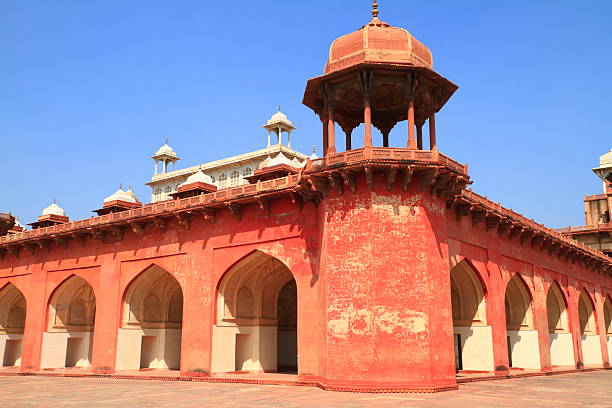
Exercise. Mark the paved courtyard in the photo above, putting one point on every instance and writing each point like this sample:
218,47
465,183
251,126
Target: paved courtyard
590,389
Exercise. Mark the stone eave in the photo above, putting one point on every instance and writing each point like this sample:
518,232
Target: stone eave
529,232
438,173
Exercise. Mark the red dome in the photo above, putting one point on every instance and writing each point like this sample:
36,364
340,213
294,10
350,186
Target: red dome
377,42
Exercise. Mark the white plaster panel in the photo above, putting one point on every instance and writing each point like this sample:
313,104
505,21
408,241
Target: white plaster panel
12,353
524,349
166,348
54,349
591,350
561,349
476,347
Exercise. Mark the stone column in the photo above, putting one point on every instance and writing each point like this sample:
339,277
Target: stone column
325,133
106,326
348,140
420,136
331,139
411,140
496,314
432,132
367,120
540,317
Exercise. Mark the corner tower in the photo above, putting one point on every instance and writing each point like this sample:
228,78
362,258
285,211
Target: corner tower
384,259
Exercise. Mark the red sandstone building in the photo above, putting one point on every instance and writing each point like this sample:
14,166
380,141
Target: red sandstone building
368,269
597,231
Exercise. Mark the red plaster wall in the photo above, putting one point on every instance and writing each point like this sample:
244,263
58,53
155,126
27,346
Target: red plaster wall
372,272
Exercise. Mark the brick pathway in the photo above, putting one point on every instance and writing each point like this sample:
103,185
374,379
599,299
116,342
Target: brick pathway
590,389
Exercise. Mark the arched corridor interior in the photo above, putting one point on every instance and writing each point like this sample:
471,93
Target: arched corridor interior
69,337
473,337
12,322
591,347
559,336
608,323
256,322
522,339
151,327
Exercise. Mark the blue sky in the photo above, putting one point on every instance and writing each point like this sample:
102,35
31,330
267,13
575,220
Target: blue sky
90,89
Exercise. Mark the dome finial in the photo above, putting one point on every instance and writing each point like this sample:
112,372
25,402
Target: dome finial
375,9
166,140
279,107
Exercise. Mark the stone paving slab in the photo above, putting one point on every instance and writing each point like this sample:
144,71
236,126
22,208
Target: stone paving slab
590,389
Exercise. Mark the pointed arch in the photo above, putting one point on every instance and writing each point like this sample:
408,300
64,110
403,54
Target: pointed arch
473,338
518,304
556,309
254,296
71,313
559,336
608,316
586,312
151,298
265,278
151,326
72,306
13,308
522,339
467,295
590,342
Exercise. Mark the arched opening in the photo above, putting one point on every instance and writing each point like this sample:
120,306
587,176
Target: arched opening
591,347
69,337
256,322
12,323
522,339
473,337
560,338
608,323
151,324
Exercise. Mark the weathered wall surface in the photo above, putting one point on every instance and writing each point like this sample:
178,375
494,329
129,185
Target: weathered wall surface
386,267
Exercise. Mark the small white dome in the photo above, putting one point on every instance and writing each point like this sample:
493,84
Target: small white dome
121,195
313,156
279,117
132,194
18,223
606,159
198,177
280,159
54,209
165,149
